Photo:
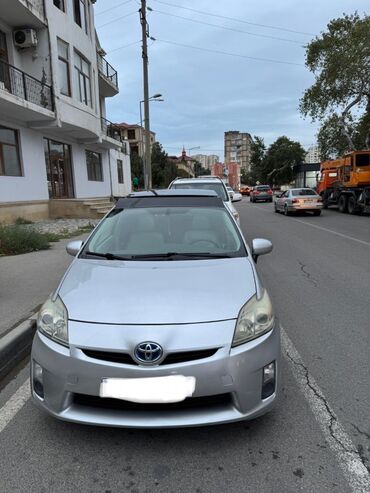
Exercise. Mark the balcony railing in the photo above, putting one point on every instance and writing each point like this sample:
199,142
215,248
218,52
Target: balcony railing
107,70
111,130
25,86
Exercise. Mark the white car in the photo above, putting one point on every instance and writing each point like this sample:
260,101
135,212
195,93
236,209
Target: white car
208,183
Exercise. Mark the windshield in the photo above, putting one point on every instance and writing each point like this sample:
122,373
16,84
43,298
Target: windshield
217,187
303,191
263,188
174,233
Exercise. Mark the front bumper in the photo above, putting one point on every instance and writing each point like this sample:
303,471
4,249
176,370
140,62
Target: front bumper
236,372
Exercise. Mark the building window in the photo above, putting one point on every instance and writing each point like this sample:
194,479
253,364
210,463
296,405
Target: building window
10,164
80,13
94,166
63,68
131,134
82,79
120,171
60,4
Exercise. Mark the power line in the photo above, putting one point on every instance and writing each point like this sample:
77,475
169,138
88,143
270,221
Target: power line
228,28
121,4
124,46
234,19
229,54
117,19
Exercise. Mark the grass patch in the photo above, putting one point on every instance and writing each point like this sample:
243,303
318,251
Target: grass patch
15,240
22,220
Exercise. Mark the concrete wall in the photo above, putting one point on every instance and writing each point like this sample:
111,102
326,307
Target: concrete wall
120,189
83,187
33,184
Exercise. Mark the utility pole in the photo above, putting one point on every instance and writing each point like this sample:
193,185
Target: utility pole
147,151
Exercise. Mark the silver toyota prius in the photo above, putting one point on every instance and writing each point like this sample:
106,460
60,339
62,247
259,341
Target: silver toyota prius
161,320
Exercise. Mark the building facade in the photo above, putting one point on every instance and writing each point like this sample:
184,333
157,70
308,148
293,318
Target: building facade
55,141
206,160
134,135
313,154
238,148
228,172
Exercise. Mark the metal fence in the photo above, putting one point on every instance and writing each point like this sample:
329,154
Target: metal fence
25,86
107,70
110,129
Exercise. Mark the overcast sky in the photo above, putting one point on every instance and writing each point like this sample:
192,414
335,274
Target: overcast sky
207,92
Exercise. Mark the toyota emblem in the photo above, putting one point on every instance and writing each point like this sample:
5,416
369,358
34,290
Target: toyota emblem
148,352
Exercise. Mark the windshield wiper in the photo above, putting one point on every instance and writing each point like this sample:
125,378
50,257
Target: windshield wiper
173,255
108,256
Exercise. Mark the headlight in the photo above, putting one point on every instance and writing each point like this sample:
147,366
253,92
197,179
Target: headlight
255,318
52,321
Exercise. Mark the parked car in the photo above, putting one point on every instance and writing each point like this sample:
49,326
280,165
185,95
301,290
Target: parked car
143,331
230,191
298,199
208,183
262,193
245,190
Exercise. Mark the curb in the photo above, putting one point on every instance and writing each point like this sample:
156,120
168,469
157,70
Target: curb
16,345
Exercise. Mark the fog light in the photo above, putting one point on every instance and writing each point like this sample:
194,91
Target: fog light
38,380
268,382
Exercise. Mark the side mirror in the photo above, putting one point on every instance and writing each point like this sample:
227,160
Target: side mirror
260,246
237,197
73,247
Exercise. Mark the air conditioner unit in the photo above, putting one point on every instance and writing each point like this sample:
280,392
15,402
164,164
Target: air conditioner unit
25,38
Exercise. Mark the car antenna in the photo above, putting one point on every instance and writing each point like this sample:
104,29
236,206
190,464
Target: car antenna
154,192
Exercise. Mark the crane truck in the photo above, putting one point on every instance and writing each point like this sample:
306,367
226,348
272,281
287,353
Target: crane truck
345,182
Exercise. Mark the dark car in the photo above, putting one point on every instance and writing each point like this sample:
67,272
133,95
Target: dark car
261,193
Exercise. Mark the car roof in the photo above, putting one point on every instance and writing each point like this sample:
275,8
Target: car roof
170,198
205,179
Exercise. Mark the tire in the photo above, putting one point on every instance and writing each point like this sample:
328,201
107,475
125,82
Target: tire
342,204
316,213
275,209
251,199
286,212
325,203
351,205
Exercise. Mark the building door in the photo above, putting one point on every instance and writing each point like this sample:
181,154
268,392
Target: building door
58,169
4,67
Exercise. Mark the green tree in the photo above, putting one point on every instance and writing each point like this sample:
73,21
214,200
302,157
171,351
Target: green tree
278,163
164,170
137,169
199,170
340,96
258,149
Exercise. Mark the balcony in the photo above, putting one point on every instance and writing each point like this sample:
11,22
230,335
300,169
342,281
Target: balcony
111,133
23,96
108,78
27,13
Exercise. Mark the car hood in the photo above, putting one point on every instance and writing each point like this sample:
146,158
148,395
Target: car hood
160,292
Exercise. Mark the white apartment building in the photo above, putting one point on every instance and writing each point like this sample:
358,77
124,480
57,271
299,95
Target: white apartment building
57,150
313,154
206,160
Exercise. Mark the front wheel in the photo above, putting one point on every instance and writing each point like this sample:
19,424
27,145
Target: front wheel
316,213
286,212
275,208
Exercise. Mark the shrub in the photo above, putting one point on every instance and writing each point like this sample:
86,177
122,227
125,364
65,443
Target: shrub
22,220
16,239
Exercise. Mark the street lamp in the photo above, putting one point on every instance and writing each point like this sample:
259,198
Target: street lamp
155,97
192,149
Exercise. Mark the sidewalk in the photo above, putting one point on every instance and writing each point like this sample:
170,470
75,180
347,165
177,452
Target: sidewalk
27,280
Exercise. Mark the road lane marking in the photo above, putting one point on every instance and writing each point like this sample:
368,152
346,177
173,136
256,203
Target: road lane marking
339,442
362,242
14,404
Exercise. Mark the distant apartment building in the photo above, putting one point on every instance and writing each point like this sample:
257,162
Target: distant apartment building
57,149
206,160
313,155
237,146
135,136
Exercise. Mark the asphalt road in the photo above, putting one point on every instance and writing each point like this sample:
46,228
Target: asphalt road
316,439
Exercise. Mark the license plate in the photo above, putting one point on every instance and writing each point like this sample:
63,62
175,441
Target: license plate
156,390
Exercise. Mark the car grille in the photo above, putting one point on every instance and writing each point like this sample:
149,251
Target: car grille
170,359
121,405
